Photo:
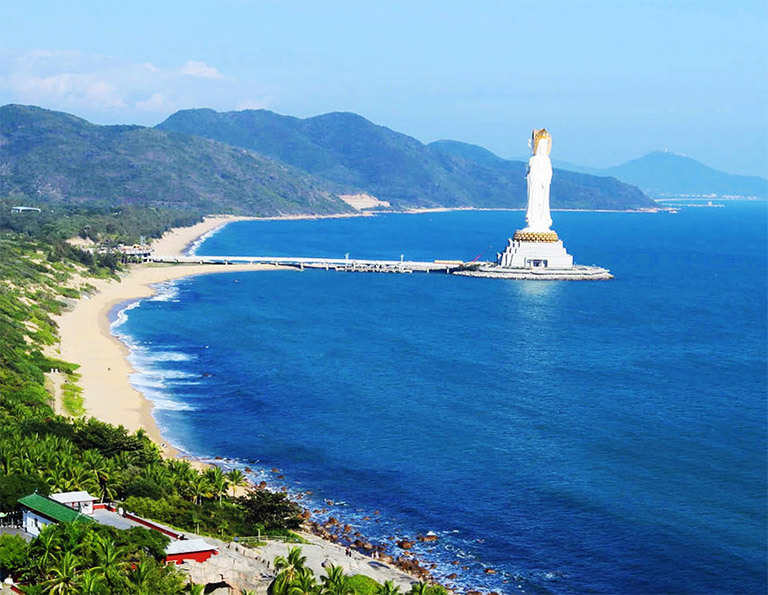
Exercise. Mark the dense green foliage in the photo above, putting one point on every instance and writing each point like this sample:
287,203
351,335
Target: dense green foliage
354,153
91,558
57,158
100,223
42,451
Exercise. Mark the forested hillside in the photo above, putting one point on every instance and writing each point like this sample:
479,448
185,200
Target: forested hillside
58,158
352,152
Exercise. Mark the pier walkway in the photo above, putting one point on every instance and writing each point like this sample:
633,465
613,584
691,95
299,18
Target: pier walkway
337,264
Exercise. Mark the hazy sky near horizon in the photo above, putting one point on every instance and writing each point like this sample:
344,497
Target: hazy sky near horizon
611,80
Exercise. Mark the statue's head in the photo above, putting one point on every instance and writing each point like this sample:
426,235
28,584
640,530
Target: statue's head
537,137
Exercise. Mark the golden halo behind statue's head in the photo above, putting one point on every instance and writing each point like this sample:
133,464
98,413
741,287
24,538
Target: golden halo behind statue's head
537,136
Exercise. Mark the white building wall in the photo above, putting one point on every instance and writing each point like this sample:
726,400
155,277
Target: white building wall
33,523
551,255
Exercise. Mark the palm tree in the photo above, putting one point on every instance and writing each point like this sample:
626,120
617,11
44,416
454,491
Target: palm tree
111,564
304,583
71,537
199,487
420,588
44,548
101,469
388,588
90,582
159,475
63,575
336,582
288,568
236,479
142,576
181,470
7,455
218,482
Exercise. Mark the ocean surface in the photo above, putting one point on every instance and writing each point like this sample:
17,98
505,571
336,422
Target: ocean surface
575,437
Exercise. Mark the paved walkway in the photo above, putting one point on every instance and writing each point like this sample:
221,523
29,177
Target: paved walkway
321,553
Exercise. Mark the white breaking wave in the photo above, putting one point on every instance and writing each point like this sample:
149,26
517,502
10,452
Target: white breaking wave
177,374
171,405
172,356
193,248
153,389
122,316
166,292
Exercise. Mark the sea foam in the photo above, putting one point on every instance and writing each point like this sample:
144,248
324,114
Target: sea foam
195,246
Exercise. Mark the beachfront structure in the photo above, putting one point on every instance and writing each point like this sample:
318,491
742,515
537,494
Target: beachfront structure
184,550
39,511
80,501
537,245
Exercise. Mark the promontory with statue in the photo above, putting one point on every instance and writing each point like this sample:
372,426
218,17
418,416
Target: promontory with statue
536,252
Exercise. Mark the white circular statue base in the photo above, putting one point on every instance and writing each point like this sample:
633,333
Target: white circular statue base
573,273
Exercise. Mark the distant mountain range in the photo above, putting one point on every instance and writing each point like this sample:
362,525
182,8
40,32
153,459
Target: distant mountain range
355,154
262,163
664,173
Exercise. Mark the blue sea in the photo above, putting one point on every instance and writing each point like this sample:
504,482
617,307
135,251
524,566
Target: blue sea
575,437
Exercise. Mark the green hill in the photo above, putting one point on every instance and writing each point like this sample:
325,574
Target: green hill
356,154
50,156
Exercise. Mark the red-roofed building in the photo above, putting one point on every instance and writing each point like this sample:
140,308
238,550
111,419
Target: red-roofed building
182,550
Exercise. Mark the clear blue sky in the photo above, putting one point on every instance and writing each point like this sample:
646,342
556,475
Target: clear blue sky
612,80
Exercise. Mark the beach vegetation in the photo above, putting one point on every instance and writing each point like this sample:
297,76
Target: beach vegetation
72,396
290,568
424,588
365,585
40,450
13,554
273,510
91,558
295,578
236,479
335,582
304,584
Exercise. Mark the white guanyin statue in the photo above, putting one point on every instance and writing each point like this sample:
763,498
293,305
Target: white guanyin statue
539,178
537,246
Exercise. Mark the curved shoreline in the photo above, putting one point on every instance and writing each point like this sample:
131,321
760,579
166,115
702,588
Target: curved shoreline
86,339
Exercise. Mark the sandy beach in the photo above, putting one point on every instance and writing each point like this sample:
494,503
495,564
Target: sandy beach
85,336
